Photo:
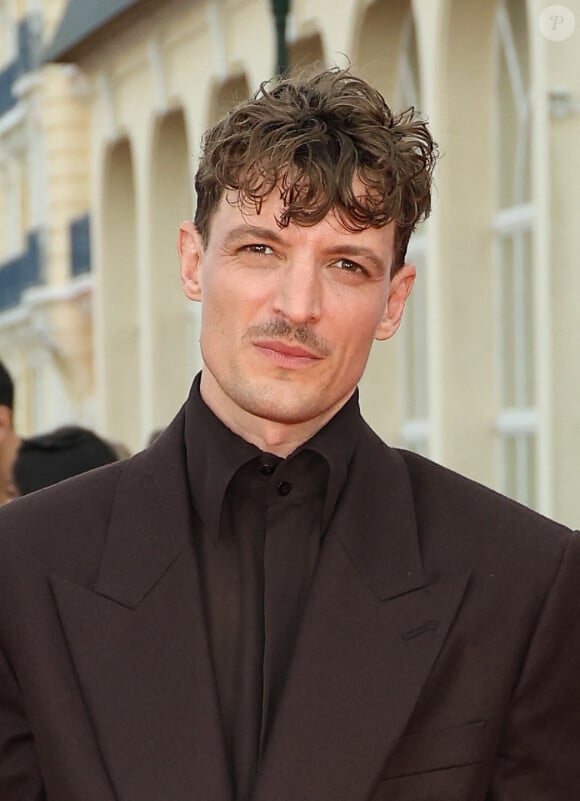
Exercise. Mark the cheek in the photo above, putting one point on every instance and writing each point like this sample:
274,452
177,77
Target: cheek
358,328
225,312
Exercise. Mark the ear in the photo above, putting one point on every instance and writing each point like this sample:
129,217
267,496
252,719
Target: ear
190,249
399,290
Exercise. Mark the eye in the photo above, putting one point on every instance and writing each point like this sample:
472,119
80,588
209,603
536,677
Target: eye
260,249
349,266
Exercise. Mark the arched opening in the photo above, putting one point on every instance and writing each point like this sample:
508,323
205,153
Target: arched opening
119,287
378,44
171,202
306,51
233,90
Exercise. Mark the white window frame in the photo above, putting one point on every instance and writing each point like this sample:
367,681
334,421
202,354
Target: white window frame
516,422
415,430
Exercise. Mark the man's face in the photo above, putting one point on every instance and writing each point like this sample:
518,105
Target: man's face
289,315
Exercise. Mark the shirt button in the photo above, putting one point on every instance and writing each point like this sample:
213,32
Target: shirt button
267,469
283,488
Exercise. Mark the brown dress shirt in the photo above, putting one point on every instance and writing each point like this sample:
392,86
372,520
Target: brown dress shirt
262,523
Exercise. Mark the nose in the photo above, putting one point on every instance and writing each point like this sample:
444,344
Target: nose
298,292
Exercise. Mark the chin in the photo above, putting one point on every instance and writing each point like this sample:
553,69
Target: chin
286,407
283,413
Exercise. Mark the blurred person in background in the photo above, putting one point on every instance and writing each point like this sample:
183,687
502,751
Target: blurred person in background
269,603
9,440
48,458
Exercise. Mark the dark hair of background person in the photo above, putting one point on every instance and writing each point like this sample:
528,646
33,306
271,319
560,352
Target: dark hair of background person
49,458
315,136
6,388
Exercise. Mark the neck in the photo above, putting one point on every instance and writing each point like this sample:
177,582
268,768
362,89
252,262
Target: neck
279,438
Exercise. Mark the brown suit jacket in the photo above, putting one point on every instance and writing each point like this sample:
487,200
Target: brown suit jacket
438,660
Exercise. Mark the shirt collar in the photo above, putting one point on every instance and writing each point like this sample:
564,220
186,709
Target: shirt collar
336,442
214,454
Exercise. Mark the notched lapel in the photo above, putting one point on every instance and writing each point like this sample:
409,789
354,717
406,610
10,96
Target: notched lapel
358,670
151,520
140,647
372,631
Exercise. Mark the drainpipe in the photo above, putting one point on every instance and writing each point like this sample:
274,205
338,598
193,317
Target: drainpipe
280,9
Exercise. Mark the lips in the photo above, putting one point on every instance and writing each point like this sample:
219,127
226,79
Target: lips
284,349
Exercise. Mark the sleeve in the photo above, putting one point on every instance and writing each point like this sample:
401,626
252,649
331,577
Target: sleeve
539,756
20,778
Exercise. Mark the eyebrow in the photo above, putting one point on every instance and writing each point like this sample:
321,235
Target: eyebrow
243,232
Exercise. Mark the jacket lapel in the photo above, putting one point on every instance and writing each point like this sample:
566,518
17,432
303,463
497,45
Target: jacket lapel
139,643
374,626
371,633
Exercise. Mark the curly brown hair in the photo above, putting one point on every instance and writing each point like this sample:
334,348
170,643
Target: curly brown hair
311,136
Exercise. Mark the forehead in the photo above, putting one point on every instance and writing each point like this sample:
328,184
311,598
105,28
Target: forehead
232,213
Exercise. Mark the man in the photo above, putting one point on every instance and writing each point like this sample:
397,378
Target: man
270,604
9,440
46,459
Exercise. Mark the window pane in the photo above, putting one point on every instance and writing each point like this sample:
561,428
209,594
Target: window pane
506,321
509,466
529,332
519,467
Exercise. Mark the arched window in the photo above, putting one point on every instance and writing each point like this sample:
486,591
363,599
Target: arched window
517,419
414,429
171,182
233,90
117,312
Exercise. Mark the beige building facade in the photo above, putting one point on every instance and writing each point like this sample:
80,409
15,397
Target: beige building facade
484,374
46,335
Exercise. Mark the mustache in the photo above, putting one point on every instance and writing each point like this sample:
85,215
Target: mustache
282,329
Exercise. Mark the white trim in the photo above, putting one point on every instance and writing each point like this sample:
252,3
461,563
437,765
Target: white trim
28,83
517,420
12,119
520,217
415,430
214,23
14,317
44,295
541,191
156,65
522,154
510,52
519,322
23,315
517,425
